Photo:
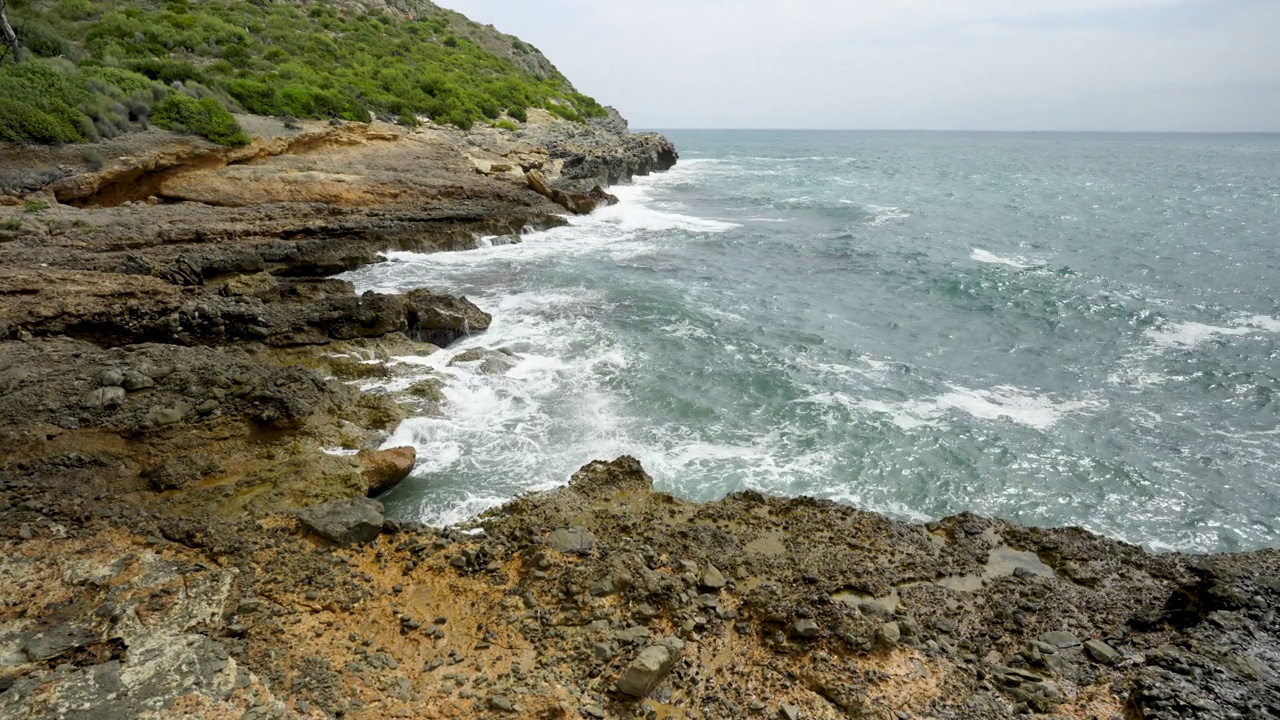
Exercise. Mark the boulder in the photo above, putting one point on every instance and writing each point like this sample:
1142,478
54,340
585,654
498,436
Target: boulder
650,667
538,182
578,541
1101,652
491,362
384,469
345,522
441,319
574,202
712,578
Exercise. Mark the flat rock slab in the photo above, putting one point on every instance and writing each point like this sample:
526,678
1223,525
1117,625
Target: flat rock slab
578,541
345,522
1060,639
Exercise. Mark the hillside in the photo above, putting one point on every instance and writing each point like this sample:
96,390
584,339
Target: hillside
93,69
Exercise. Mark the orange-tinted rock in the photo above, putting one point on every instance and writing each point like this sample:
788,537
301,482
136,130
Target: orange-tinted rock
384,469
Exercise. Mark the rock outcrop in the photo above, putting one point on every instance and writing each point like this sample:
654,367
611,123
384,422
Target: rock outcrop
344,522
605,598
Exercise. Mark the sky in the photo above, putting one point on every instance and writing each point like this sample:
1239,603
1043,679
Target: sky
1125,65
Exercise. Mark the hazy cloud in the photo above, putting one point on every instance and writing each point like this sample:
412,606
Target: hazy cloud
937,64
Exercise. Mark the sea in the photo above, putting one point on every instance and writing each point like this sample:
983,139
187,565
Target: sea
1055,329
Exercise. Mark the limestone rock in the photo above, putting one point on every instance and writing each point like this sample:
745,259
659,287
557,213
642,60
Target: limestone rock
712,578
650,667
441,319
491,362
250,285
1060,639
344,522
104,397
1101,652
578,541
384,469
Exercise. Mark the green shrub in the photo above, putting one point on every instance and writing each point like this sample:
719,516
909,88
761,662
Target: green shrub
316,60
21,122
13,224
34,206
39,38
166,71
125,81
182,113
506,124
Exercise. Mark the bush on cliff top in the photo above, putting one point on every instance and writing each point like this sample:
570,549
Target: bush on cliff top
206,117
53,101
305,58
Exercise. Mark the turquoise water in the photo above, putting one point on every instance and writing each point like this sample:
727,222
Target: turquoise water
1054,329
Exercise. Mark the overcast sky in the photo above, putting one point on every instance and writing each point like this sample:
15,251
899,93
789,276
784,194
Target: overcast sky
1162,65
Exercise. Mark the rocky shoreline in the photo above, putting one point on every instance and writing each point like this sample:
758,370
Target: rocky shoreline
181,538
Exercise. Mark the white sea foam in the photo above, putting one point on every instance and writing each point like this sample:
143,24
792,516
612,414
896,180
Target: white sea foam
1191,334
1003,402
882,214
1015,262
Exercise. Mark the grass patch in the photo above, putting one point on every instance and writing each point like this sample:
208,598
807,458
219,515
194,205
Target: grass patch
34,206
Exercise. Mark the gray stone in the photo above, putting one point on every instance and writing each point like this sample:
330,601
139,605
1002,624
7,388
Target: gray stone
805,628
788,712
650,667
888,635
344,522
104,397
578,541
1101,652
134,380
633,634
112,378
712,578
502,703
41,646
1060,639
603,652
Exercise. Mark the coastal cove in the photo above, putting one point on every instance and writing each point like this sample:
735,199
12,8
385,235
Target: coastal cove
212,358
1054,329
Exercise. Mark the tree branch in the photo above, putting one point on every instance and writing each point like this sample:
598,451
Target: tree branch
6,32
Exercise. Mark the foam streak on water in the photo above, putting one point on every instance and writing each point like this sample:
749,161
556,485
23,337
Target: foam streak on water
1023,326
